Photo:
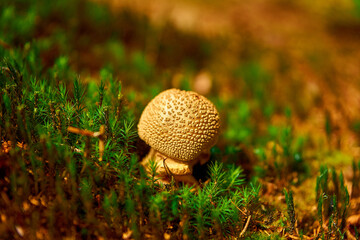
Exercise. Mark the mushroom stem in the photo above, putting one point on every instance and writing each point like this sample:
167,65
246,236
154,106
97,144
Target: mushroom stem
168,167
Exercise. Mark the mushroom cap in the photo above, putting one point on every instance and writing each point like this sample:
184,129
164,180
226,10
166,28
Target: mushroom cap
179,124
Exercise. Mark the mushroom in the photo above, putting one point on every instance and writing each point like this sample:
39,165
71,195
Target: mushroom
180,127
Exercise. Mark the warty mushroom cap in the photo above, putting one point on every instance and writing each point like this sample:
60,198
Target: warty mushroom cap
179,124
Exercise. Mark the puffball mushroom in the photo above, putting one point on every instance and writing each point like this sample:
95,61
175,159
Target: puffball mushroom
180,127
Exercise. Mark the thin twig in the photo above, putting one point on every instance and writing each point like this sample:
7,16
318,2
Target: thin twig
266,232
88,133
83,132
238,208
246,226
101,142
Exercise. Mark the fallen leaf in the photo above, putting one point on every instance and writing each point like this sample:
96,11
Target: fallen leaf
127,234
20,231
34,201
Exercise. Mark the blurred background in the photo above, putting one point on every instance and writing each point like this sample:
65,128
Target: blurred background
265,64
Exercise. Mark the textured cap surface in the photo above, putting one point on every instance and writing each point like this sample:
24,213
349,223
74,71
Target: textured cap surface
179,124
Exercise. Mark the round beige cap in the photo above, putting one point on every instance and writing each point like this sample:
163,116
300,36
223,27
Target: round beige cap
179,124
